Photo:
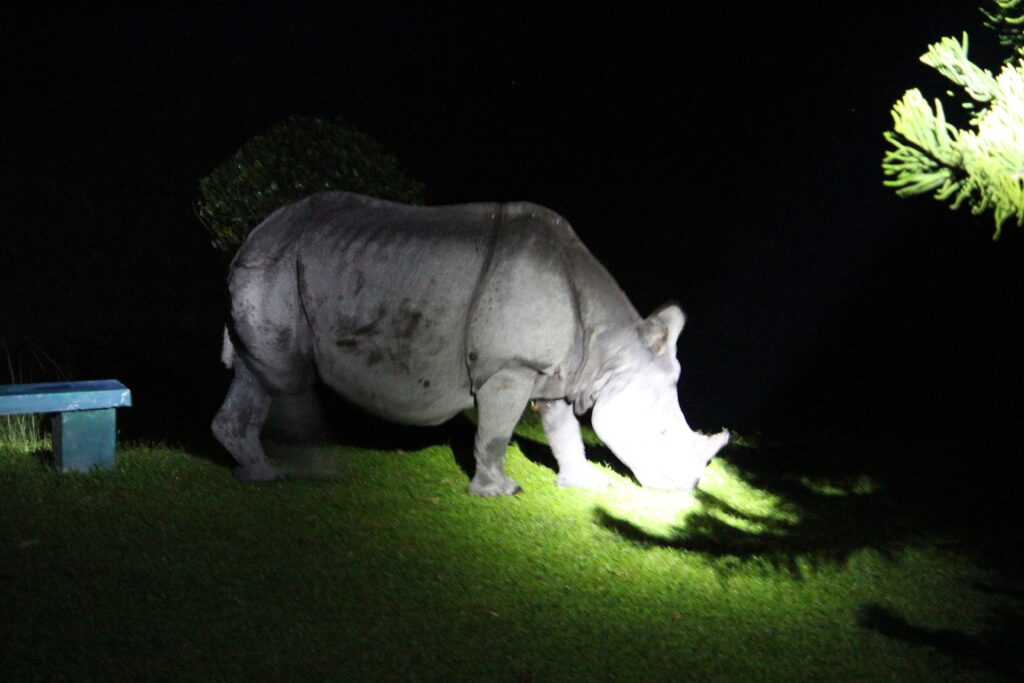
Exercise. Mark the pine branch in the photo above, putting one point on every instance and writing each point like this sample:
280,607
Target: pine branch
982,166
949,58
1006,18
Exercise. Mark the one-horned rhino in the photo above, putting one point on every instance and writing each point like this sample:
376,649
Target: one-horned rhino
418,313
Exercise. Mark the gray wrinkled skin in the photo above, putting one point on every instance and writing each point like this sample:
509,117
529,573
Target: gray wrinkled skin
419,313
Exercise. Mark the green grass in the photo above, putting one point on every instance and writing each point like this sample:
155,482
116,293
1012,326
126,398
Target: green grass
22,433
374,565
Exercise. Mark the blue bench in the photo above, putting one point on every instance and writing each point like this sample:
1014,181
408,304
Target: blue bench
84,423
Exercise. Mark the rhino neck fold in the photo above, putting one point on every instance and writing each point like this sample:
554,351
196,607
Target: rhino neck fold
586,381
604,313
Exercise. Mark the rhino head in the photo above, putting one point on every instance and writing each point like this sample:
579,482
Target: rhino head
636,408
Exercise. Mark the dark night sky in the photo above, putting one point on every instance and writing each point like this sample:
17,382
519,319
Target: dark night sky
727,158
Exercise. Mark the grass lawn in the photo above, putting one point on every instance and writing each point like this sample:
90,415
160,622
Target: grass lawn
370,565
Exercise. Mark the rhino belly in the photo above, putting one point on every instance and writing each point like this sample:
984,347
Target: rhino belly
400,399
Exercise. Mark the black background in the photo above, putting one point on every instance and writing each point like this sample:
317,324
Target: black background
724,155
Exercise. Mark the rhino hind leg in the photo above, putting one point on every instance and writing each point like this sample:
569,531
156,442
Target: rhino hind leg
563,432
500,403
238,423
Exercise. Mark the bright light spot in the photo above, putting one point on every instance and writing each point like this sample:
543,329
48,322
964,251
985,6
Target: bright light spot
659,513
728,498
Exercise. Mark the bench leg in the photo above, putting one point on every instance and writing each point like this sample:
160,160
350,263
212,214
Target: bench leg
84,439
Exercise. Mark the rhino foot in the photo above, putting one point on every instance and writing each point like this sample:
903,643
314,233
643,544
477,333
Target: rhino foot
261,471
488,487
582,478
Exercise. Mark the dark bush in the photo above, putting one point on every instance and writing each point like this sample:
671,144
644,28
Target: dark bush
295,158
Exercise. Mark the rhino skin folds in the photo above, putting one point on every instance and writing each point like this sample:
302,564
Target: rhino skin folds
418,313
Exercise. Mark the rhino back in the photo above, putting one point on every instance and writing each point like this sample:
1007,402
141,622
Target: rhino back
386,289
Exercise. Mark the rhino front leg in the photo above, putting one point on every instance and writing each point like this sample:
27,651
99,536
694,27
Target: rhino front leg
499,404
238,423
563,432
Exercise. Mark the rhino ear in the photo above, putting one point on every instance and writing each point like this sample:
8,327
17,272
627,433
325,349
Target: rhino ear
661,329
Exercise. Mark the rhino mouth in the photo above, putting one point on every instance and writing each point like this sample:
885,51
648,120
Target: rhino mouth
685,478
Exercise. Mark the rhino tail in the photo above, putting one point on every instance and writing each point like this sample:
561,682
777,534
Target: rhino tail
227,353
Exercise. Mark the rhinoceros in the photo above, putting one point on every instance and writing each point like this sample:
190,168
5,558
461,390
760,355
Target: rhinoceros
418,313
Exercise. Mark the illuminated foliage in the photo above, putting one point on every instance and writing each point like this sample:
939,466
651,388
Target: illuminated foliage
295,158
983,165
1006,18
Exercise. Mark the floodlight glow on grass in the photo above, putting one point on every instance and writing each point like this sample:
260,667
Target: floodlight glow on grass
665,514
394,551
656,512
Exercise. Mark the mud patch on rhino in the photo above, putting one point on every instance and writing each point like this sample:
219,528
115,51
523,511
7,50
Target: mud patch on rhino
495,451
406,322
367,329
283,337
349,326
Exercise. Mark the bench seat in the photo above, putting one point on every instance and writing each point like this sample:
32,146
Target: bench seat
84,421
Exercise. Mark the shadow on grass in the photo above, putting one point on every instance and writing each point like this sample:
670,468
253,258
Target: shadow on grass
996,649
817,540
936,481
824,529
44,456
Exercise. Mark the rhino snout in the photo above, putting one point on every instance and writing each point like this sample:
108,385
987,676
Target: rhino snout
714,443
